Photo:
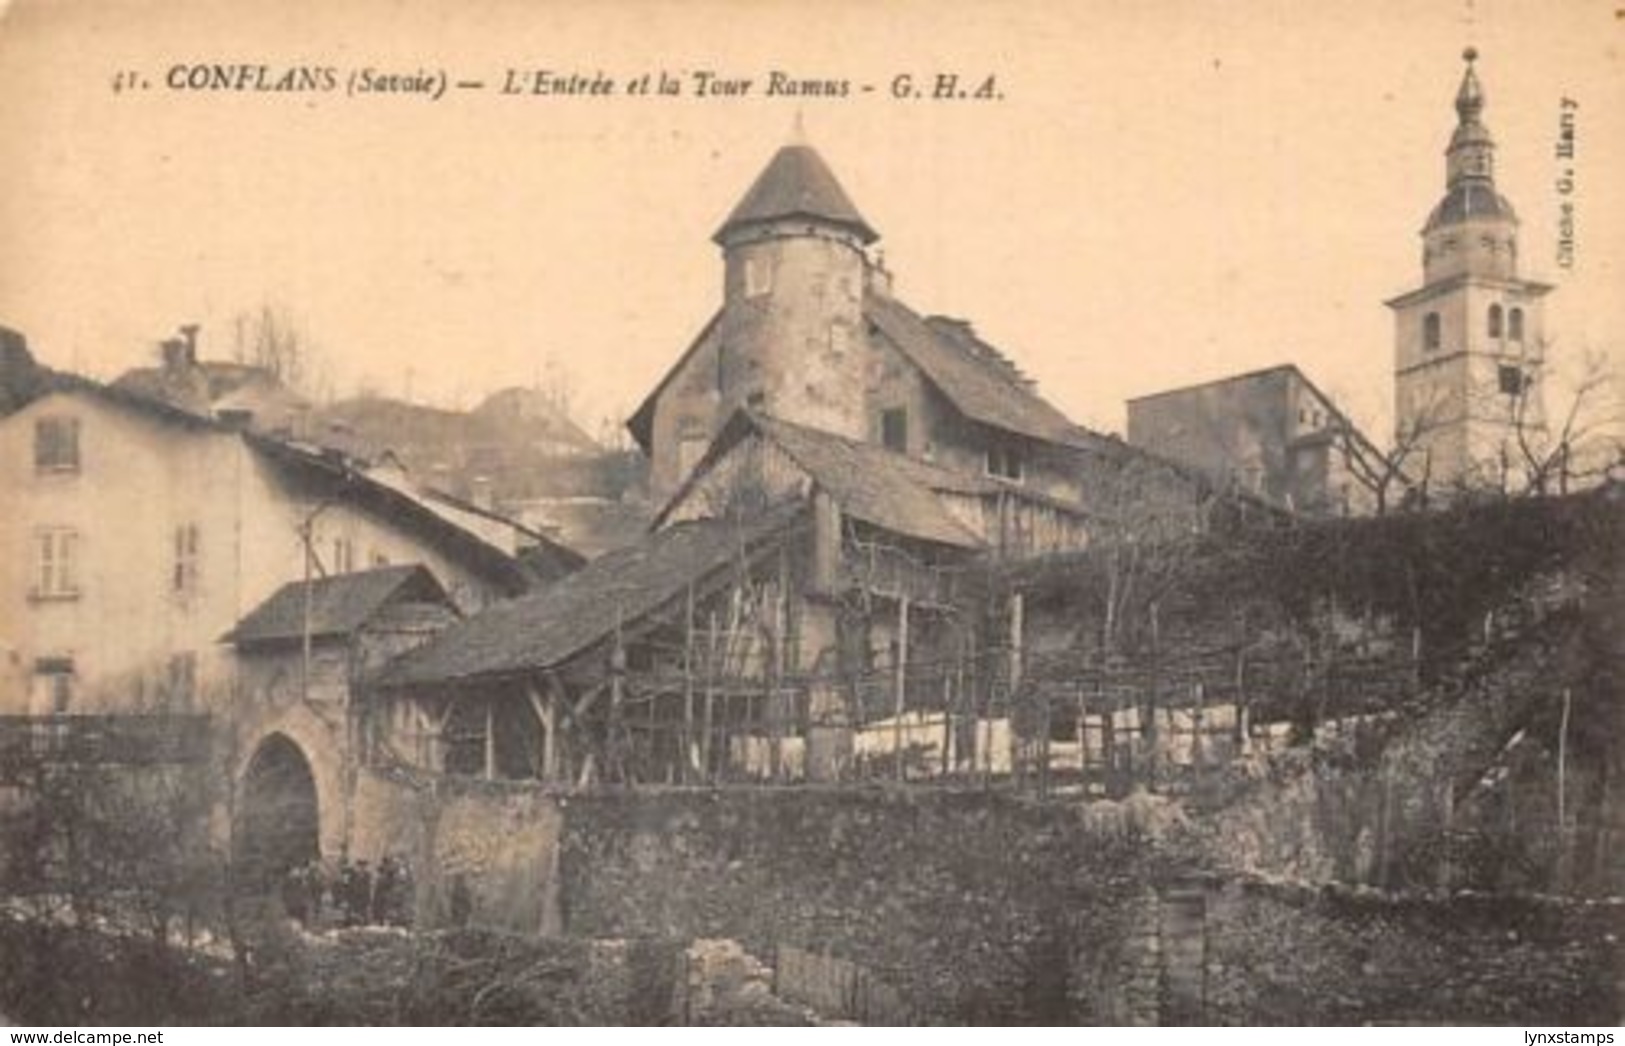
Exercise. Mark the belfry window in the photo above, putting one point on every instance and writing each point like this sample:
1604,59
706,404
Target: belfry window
1495,321
1430,331
1515,325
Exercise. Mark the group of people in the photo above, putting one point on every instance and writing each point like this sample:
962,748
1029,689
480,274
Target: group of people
355,893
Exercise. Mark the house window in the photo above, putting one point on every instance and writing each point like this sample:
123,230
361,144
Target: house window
690,449
1430,331
343,556
1495,321
182,686
52,691
1004,462
379,559
56,445
184,574
56,574
894,429
1515,325
1512,380
758,277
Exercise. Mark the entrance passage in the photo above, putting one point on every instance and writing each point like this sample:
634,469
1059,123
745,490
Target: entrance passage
277,819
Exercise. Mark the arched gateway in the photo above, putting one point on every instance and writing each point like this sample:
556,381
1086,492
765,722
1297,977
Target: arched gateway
278,823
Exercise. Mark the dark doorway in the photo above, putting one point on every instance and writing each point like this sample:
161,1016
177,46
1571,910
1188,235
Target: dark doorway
277,821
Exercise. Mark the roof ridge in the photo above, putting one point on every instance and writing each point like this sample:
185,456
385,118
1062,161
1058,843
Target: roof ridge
978,387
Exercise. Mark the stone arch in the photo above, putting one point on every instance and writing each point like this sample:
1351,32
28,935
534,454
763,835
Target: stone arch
320,741
278,823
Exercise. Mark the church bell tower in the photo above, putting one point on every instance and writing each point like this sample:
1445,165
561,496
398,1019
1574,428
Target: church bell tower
1469,343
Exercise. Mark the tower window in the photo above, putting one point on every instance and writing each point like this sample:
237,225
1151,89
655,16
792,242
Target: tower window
1515,325
1430,331
1495,321
894,429
1512,381
758,277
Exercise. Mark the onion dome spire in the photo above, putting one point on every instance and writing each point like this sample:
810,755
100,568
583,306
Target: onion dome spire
1470,159
1470,98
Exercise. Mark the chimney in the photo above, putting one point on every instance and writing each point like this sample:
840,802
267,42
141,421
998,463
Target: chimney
480,493
174,354
13,347
189,337
879,276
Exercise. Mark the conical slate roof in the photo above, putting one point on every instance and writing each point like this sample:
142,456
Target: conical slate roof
797,184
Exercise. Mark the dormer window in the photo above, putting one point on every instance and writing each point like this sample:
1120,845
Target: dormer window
1430,331
1004,462
56,445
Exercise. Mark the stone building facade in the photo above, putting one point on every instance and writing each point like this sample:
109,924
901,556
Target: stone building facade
1271,433
811,332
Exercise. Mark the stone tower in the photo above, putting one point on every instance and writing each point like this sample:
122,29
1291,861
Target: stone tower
791,326
1468,346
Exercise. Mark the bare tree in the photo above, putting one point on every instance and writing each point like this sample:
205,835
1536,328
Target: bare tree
1147,515
272,339
1587,440
1405,467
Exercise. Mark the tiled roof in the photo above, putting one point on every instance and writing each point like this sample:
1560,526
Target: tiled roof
339,605
976,378
876,485
797,184
405,510
341,475
546,628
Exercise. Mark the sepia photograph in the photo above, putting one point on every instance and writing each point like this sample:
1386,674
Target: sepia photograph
545,513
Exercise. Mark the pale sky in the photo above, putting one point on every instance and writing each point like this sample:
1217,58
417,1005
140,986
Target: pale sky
1167,191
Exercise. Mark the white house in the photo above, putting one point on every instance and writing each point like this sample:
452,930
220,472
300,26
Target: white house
136,534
